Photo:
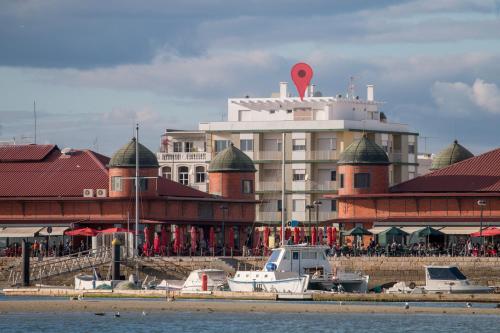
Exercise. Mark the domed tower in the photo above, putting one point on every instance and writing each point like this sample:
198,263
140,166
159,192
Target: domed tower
363,168
232,174
122,170
450,155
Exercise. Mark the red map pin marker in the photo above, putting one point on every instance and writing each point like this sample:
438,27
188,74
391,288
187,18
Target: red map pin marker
302,74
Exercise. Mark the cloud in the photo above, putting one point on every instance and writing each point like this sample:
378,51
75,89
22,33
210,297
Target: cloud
459,97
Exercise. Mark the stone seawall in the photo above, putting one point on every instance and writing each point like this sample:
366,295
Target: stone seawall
411,269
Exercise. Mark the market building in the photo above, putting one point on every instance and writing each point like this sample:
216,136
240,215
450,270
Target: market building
462,193
45,191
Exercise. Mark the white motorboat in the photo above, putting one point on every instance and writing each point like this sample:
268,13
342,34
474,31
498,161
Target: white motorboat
90,282
296,268
216,280
449,279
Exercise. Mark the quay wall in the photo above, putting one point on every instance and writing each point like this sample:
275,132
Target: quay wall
381,270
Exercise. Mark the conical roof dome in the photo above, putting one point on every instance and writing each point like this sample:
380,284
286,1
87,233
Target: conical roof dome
450,155
125,157
364,151
231,159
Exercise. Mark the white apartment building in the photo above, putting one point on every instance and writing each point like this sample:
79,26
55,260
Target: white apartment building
316,129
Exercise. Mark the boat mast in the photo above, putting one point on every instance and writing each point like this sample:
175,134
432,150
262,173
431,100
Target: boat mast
136,187
283,216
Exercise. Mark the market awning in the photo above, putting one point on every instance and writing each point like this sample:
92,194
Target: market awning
410,230
56,231
458,230
20,232
378,230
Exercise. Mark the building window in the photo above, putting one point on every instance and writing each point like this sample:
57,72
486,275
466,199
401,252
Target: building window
289,111
220,145
299,144
299,205
200,174
167,172
411,148
333,175
116,184
341,180
143,184
298,175
246,145
333,205
188,147
272,111
183,174
177,147
361,180
247,186
327,144
278,205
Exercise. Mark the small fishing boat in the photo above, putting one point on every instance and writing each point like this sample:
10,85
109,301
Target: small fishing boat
296,268
449,279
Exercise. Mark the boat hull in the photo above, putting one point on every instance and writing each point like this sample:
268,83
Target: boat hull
290,285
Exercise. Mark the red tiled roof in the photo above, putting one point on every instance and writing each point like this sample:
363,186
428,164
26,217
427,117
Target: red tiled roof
19,153
476,174
53,175
167,187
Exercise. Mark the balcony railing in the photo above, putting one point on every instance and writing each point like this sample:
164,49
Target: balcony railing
395,156
268,186
322,186
268,216
263,155
322,155
183,157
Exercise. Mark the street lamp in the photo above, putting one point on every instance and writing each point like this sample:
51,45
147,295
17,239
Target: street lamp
481,204
309,208
317,203
224,209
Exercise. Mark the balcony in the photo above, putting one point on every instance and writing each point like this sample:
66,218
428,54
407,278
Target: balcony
268,155
322,155
395,156
322,186
183,157
268,216
268,186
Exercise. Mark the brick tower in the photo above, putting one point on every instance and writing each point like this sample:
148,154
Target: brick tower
122,170
232,174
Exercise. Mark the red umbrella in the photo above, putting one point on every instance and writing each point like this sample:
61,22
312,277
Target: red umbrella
163,240
302,234
156,244
114,230
266,238
193,240
82,232
211,238
256,239
320,236
313,236
334,235
147,241
296,235
487,232
231,238
329,235
177,239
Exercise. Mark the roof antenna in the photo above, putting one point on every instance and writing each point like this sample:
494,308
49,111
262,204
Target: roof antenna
34,116
351,89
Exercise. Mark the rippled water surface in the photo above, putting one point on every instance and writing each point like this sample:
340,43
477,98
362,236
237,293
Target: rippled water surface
246,323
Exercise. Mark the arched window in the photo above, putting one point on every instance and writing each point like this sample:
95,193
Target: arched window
183,174
167,172
200,174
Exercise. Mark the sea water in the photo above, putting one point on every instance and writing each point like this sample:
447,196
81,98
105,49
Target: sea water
174,322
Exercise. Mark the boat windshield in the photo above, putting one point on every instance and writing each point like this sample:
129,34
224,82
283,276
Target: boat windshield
274,256
449,273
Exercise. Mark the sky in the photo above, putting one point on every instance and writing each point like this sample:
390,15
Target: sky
95,67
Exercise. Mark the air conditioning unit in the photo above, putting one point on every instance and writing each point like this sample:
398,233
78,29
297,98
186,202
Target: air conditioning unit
88,192
101,192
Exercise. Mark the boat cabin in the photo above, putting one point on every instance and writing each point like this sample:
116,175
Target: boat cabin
301,259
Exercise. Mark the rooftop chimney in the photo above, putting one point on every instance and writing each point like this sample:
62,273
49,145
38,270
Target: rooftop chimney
369,93
283,88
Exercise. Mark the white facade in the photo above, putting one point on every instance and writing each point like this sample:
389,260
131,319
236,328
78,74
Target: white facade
317,130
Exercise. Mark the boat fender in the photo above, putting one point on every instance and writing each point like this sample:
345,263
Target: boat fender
412,285
204,282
